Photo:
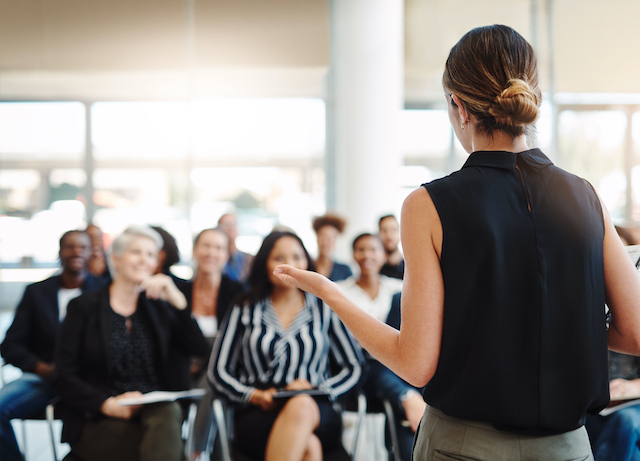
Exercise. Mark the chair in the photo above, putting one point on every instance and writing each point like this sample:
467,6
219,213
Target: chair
223,415
47,415
364,407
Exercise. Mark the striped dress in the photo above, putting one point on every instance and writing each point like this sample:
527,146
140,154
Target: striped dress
256,352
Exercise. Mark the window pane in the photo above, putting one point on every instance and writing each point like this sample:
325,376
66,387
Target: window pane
19,192
147,130
592,146
32,131
258,128
425,138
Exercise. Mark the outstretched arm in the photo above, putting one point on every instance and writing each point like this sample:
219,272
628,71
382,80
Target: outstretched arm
412,353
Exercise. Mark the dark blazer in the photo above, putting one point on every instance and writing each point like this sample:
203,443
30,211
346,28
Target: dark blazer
33,334
82,356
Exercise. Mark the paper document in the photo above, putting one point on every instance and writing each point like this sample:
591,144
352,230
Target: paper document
162,396
616,405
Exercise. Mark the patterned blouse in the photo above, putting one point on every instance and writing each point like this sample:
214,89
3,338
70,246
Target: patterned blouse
134,354
256,352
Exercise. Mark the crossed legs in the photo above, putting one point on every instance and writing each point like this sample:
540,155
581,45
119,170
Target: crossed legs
292,437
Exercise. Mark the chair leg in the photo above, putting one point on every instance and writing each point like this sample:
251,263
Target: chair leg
49,412
362,410
190,442
24,438
391,421
218,413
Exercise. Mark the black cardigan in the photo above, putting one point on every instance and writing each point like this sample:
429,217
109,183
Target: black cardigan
82,356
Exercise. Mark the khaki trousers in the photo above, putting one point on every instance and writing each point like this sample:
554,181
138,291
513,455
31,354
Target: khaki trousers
441,437
155,434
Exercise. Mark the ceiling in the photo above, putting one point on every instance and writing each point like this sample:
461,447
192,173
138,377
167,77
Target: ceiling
177,49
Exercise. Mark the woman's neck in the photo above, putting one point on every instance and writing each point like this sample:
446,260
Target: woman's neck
286,295
209,280
123,297
324,264
498,141
287,302
370,283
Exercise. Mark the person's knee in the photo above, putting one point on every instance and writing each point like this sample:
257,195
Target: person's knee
301,408
626,419
164,415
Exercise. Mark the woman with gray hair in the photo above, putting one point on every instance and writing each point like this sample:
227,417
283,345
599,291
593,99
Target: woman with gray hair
118,343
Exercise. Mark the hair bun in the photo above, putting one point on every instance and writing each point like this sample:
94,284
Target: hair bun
517,104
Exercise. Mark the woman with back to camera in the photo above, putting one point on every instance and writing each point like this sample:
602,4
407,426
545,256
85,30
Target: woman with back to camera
509,262
210,294
327,229
280,338
118,343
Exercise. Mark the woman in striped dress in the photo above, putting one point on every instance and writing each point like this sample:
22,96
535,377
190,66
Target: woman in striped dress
279,338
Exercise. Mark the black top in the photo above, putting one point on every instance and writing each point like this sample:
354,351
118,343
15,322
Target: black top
623,366
134,361
524,342
395,271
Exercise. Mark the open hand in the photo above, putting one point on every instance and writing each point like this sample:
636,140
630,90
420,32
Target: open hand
311,282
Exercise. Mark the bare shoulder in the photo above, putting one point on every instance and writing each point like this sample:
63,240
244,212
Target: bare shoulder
420,218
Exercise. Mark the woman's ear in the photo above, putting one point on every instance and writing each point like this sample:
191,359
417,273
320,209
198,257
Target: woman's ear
462,112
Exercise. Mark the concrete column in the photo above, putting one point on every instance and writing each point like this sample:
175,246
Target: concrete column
365,93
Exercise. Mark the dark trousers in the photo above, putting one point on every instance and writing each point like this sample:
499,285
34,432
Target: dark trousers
154,434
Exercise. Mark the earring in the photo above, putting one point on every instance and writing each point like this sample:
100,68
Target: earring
462,126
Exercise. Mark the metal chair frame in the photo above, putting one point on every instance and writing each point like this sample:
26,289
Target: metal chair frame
49,417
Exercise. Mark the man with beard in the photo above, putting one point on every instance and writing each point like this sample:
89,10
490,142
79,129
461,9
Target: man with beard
389,233
31,339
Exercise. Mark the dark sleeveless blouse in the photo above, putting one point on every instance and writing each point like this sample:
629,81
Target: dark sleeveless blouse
524,342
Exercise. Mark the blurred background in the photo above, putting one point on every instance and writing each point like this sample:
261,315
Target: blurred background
173,112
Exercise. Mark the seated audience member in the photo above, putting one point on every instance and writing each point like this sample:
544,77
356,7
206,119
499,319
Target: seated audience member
98,261
374,293
277,337
389,233
616,437
168,256
115,344
239,263
371,290
31,338
210,295
327,229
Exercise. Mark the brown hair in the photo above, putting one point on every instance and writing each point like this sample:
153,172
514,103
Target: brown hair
494,72
329,220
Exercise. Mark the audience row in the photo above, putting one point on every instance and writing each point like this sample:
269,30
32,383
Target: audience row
125,325
110,329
